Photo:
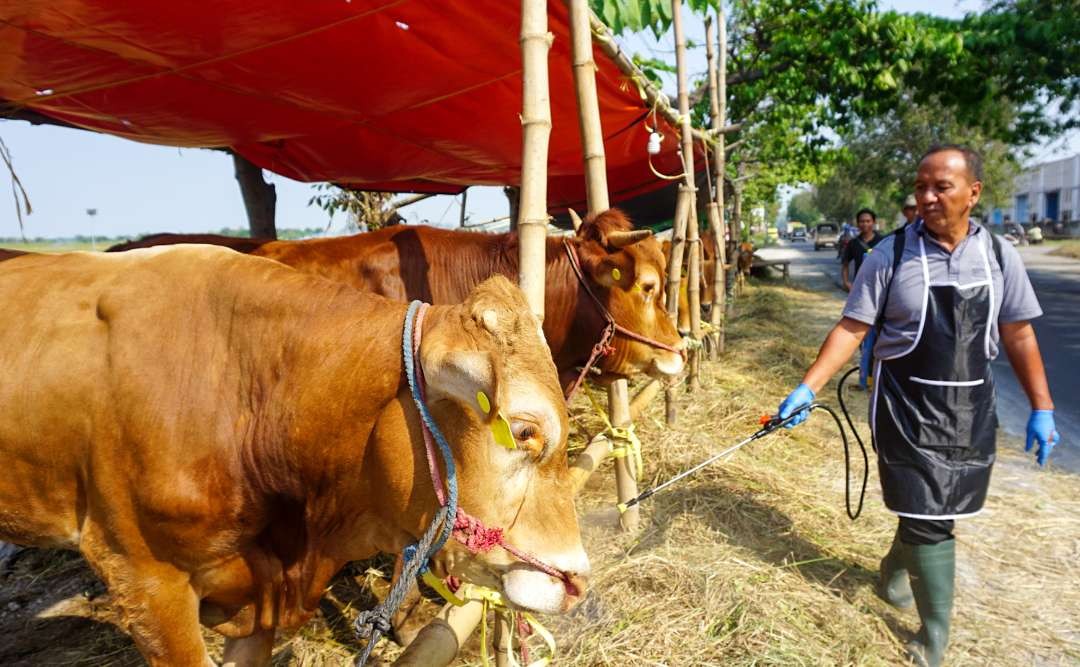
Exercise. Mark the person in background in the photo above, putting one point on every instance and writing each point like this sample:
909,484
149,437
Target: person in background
854,254
943,295
909,210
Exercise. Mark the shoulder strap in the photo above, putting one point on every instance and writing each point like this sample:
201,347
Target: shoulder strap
995,241
899,238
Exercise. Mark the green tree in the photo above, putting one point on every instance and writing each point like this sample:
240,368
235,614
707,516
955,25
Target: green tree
802,208
876,166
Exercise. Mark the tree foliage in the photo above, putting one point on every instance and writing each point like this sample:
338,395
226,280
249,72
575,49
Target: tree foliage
801,208
876,167
370,210
801,73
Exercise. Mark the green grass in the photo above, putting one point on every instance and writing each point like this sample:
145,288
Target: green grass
55,246
1067,249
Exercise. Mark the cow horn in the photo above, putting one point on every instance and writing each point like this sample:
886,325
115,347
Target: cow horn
622,239
575,218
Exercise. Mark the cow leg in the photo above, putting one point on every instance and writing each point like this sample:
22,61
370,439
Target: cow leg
252,651
158,605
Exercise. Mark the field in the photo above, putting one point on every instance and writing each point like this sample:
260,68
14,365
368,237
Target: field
55,246
751,562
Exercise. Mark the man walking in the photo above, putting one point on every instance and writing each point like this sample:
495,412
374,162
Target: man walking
855,251
854,254
943,295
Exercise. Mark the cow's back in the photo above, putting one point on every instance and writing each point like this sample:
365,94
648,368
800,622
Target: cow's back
403,262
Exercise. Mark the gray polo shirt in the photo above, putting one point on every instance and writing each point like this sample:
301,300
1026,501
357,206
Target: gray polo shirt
1013,296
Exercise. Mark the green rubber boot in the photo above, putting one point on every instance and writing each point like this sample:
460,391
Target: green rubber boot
893,585
932,568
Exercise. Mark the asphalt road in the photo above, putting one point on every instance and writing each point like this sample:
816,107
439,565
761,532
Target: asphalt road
1057,284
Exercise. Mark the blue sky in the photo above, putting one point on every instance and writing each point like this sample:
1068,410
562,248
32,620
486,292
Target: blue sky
138,188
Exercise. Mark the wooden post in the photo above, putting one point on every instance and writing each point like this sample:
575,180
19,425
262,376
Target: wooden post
693,277
260,198
717,83
438,642
464,199
592,142
683,204
536,132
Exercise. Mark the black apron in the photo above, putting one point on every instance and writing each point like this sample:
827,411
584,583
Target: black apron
934,416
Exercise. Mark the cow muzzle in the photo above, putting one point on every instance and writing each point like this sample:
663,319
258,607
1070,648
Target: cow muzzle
531,589
666,364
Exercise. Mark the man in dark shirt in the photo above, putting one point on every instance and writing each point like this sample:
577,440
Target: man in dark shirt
854,254
856,249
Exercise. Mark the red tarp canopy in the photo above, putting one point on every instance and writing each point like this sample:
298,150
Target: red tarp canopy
400,96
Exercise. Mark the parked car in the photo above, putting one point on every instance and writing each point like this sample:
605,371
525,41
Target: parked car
797,234
826,234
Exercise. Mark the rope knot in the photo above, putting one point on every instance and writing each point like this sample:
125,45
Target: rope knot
472,533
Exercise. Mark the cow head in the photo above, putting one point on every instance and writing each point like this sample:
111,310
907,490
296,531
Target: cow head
494,391
627,270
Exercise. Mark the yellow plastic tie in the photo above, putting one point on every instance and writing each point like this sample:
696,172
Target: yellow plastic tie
440,587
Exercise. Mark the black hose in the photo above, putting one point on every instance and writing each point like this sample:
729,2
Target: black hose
858,439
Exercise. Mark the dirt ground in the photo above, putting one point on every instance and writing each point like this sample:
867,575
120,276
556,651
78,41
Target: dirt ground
751,562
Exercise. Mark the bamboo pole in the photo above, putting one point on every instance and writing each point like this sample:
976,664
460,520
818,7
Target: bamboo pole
438,642
653,97
592,142
717,83
536,132
683,204
693,278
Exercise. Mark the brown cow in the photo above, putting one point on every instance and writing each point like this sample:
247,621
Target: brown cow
442,266
218,434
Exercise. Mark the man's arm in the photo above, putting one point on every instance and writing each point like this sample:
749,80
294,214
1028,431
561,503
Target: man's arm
1022,348
837,349
844,273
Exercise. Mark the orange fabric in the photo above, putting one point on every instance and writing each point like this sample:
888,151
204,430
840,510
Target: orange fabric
409,95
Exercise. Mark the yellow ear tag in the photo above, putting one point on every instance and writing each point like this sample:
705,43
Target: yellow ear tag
485,404
500,429
616,275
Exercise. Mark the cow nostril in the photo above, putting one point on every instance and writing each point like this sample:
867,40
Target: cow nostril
575,585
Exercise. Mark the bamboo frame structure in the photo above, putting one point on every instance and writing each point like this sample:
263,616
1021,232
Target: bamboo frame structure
653,97
693,278
683,203
536,133
592,141
717,84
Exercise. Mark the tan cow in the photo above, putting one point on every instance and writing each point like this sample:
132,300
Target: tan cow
218,434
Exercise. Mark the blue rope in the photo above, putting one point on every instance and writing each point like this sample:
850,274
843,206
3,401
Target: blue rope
413,376
374,623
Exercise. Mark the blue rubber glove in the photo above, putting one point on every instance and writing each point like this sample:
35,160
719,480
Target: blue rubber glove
1040,427
803,396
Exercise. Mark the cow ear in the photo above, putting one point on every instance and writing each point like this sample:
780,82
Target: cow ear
468,376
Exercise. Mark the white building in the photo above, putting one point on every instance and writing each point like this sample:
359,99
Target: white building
1047,192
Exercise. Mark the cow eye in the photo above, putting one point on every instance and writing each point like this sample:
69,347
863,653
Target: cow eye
528,435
